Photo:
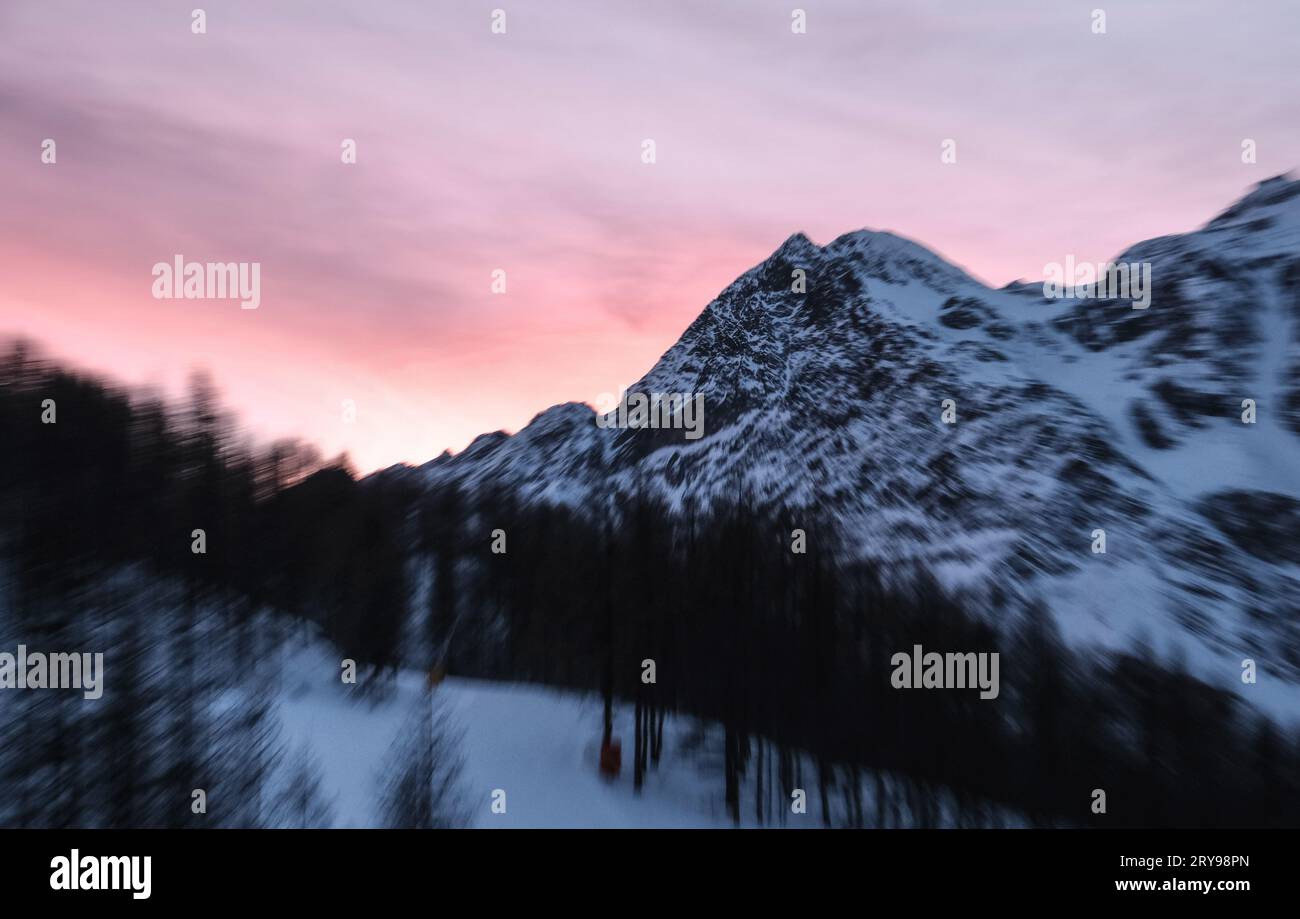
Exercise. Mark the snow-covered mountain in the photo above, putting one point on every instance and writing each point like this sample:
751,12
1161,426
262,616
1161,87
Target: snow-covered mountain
1072,415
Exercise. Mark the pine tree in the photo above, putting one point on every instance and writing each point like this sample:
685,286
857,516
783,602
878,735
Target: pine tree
301,803
422,777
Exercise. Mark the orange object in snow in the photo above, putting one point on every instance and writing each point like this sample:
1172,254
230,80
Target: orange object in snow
611,758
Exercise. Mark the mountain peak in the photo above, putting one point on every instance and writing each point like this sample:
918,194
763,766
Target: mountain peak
797,246
1266,195
827,395
894,258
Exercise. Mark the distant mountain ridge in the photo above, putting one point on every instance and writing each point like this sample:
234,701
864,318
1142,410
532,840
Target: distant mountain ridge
1072,416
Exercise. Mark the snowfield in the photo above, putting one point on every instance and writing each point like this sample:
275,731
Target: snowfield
539,746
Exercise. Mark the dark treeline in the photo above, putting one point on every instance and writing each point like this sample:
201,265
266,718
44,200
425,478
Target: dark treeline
117,479
789,652
101,498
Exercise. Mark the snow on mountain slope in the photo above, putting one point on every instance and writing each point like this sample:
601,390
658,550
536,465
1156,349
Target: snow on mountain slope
1072,416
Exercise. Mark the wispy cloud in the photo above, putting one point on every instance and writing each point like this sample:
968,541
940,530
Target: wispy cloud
521,152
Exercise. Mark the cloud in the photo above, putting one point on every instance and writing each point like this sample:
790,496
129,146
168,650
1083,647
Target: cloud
521,152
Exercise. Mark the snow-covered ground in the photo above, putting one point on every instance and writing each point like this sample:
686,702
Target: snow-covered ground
541,747
537,745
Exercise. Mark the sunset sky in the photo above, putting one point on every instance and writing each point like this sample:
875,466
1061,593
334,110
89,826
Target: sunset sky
522,152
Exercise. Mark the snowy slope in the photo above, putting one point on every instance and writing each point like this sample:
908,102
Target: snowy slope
538,745
541,747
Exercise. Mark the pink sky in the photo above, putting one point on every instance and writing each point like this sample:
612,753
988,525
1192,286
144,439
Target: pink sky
522,152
